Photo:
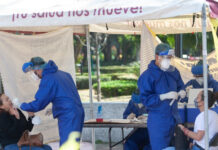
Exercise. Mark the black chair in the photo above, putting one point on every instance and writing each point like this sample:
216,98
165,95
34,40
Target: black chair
180,140
214,141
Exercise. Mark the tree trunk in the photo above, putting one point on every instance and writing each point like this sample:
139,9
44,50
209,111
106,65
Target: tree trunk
107,51
98,67
77,48
125,53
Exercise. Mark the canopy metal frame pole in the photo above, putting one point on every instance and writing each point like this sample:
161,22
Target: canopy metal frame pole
90,83
98,47
181,45
204,50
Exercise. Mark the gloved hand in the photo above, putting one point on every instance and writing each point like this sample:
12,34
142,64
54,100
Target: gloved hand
170,95
140,105
131,116
48,112
188,89
36,120
142,117
16,103
182,94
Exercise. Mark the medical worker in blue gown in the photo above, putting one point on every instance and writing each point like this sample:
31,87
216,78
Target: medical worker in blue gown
159,86
198,82
139,140
56,87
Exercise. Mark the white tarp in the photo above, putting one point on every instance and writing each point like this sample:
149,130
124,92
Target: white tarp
17,49
147,48
14,13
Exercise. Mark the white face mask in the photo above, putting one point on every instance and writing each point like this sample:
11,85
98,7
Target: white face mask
165,64
34,76
200,80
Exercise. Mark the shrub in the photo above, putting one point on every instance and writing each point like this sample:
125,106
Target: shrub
136,71
82,82
116,69
117,87
135,68
123,76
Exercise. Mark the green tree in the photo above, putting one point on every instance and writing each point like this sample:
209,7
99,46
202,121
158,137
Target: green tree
192,43
169,39
129,45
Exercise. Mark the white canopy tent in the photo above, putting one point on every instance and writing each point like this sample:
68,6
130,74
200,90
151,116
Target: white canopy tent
42,16
30,13
163,17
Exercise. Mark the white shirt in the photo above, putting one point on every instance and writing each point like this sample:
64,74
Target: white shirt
212,125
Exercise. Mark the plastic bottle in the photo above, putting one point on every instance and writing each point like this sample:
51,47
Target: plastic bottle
99,114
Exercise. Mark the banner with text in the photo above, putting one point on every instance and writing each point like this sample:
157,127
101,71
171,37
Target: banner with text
50,13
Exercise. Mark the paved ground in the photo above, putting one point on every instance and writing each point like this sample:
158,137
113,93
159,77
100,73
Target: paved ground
88,146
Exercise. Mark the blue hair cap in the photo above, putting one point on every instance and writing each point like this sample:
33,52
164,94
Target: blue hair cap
163,50
35,63
197,70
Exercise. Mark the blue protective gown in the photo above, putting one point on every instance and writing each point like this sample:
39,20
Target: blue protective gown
211,84
140,138
58,88
152,83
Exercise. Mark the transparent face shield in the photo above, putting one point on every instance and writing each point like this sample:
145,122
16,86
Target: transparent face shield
33,76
